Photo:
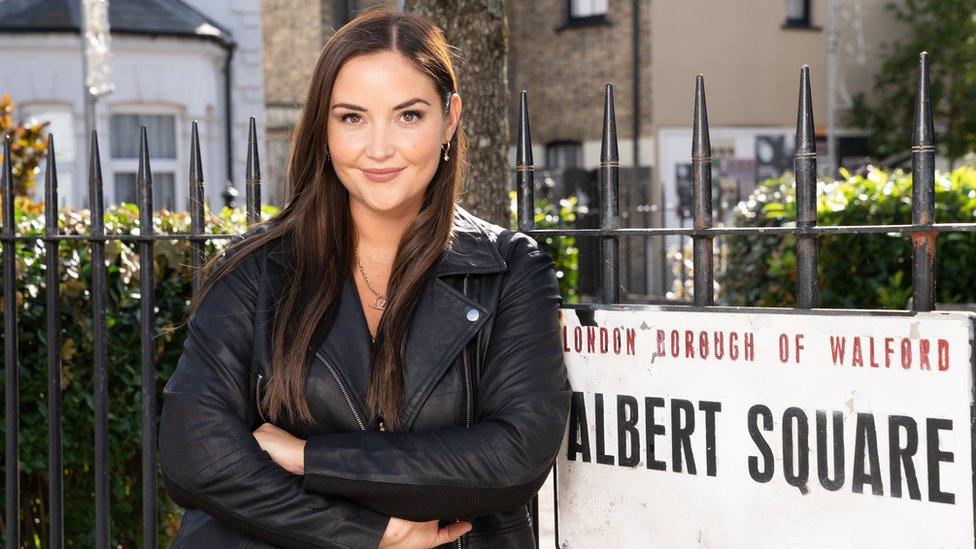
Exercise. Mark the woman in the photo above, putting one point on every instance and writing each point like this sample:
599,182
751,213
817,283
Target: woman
375,366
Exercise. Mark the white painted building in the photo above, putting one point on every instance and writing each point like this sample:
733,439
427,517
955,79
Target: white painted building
169,66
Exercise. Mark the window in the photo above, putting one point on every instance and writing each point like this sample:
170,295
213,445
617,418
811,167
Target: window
124,138
585,13
797,14
164,187
61,123
587,8
564,154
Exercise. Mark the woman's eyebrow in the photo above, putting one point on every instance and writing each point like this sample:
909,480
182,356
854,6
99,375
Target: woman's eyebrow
403,105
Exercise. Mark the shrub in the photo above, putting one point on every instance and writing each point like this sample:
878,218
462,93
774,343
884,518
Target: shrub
565,254
854,271
172,271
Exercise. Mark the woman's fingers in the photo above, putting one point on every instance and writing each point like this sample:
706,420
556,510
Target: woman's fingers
451,532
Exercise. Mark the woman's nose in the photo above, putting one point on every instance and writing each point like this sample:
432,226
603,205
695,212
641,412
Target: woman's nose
380,147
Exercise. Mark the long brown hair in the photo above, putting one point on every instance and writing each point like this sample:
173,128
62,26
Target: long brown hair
316,227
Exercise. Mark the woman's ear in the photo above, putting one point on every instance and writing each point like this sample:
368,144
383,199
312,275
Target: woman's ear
453,117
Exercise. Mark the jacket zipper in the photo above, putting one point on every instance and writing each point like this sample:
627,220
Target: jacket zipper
467,392
257,397
467,372
345,394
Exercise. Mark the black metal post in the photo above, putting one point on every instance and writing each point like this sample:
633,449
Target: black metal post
99,346
805,167
147,357
923,193
525,208
701,188
609,203
10,356
52,264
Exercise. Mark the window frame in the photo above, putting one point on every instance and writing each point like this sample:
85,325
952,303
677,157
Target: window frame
802,23
551,145
159,165
581,21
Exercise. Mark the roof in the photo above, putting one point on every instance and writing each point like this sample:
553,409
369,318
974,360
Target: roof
138,17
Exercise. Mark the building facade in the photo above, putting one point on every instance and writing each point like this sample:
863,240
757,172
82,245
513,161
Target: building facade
172,62
564,52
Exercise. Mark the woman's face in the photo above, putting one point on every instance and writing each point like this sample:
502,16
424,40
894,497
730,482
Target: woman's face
385,114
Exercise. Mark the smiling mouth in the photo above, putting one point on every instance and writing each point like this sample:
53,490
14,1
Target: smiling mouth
382,175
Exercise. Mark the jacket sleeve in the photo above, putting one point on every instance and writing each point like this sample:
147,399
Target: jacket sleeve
503,459
208,456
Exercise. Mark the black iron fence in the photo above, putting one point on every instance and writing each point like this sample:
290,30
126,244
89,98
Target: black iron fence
923,231
99,300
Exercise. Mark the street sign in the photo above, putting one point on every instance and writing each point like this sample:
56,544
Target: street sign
752,428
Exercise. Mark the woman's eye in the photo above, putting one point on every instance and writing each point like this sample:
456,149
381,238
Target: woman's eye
345,118
415,116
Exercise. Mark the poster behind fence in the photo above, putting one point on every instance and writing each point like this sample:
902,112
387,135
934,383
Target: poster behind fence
741,429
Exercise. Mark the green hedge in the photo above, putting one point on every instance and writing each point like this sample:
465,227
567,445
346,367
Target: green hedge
172,271
854,271
556,215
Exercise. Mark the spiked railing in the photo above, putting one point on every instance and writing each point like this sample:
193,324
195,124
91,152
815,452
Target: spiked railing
923,231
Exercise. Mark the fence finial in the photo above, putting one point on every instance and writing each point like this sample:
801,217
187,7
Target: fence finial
196,165
608,149
7,187
700,140
51,187
524,175
805,140
805,168
144,183
252,183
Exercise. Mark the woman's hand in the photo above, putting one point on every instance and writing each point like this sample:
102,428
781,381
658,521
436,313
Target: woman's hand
405,534
285,449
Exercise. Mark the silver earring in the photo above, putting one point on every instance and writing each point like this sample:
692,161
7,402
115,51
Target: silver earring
328,156
447,149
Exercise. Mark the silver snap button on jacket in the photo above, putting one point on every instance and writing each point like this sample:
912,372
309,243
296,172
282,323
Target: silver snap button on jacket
473,314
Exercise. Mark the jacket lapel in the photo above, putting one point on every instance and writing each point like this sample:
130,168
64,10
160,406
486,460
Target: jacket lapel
444,321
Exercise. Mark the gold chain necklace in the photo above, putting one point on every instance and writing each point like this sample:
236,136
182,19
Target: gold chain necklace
380,302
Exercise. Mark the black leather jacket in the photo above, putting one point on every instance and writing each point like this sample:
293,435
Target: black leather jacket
487,399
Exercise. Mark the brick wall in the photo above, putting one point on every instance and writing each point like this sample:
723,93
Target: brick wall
564,70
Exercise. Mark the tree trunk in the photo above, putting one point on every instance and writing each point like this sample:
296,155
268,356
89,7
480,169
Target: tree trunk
479,31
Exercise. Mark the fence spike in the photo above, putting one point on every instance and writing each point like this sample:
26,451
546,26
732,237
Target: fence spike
55,448
608,147
51,188
196,208
96,202
701,174
253,175
923,192
99,289
524,168
805,168
144,182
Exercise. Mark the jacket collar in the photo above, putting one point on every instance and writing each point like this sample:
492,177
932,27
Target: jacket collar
442,325
471,250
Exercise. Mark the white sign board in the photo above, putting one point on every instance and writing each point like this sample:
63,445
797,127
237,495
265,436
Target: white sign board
771,429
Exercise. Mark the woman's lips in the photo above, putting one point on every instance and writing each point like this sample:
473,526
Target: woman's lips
382,175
